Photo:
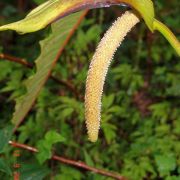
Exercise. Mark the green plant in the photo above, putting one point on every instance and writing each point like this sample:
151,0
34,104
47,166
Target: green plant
141,140
50,10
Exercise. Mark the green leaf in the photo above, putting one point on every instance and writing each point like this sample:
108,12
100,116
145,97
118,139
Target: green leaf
44,151
53,137
66,112
173,178
45,145
4,167
39,1
88,159
52,10
108,101
5,69
165,163
160,110
109,131
33,172
5,135
50,47
68,173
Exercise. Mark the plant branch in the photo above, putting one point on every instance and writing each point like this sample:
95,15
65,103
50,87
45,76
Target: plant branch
20,5
77,164
16,60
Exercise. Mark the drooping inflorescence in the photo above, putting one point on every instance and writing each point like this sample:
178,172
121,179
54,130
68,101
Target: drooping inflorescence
99,67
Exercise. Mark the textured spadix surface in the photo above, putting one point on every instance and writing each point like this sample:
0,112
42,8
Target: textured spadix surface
98,70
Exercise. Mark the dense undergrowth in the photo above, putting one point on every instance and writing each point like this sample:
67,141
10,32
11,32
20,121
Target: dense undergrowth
140,130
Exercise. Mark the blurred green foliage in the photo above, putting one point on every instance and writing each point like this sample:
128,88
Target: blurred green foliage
140,129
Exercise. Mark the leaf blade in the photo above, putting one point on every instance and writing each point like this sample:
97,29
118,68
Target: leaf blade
5,135
51,49
52,10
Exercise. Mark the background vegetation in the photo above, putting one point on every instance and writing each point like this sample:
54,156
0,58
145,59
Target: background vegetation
140,132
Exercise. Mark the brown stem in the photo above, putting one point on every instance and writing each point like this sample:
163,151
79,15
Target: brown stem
142,99
16,59
77,164
21,5
69,86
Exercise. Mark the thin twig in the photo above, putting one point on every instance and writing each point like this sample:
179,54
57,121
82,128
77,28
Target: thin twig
21,5
77,164
16,59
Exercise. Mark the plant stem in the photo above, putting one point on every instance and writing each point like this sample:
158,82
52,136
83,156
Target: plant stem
167,33
77,164
16,59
